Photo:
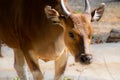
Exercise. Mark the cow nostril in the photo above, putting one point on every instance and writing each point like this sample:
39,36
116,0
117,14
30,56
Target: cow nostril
86,58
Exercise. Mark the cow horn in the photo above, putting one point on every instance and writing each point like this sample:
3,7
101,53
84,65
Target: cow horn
67,13
87,7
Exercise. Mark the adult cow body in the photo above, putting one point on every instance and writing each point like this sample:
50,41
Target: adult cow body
35,31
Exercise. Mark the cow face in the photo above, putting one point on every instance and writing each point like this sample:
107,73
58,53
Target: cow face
77,36
77,29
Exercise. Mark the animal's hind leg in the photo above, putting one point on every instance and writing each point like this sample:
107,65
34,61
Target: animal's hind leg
19,64
60,64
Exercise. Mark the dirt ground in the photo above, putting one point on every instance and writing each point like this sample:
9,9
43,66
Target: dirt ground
106,56
105,65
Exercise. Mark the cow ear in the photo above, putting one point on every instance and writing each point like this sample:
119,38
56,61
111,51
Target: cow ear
52,14
98,12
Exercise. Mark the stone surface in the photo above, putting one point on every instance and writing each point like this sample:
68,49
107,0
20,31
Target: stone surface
114,36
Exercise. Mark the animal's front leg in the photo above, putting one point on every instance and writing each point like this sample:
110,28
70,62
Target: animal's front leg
19,64
0,49
60,64
33,64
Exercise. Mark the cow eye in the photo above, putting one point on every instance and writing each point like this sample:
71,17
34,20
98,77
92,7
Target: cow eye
71,35
62,16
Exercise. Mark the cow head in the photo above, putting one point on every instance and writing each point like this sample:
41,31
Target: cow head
77,28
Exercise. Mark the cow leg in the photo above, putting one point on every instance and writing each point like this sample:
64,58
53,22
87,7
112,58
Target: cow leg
33,64
60,64
19,64
0,49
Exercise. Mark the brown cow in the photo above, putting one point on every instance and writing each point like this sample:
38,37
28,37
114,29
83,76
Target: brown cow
45,29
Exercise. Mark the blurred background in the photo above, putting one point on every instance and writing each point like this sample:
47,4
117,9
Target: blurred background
110,22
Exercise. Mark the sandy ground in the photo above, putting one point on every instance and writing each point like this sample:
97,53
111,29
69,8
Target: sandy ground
105,65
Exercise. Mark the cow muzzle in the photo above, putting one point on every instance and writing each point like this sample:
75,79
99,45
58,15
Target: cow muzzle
84,58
